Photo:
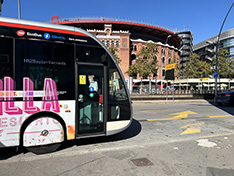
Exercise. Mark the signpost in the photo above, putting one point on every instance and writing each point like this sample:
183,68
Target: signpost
170,69
216,74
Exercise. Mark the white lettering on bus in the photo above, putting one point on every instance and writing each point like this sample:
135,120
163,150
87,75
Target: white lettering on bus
34,34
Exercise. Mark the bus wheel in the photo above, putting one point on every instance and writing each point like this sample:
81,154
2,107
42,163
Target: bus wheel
43,135
43,149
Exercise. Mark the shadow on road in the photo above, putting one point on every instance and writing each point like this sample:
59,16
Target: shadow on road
227,108
133,130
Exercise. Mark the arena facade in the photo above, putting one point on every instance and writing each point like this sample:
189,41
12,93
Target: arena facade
129,37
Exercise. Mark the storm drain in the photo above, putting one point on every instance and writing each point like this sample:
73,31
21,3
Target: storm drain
142,162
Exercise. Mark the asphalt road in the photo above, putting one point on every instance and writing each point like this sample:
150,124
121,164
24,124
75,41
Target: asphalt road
164,139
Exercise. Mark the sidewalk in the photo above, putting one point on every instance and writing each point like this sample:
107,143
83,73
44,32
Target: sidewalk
168,99
182,101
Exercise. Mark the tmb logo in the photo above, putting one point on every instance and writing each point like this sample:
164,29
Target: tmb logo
20,33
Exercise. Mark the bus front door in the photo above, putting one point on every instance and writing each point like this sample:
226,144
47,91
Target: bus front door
90,99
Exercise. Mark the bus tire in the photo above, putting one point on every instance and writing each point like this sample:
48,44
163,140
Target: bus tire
43,149
43,134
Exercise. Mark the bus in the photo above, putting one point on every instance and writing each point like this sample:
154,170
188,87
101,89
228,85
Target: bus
57,83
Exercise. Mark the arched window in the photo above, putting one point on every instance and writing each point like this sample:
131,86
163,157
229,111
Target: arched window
163,72
107,43
163,60
133,58
169,60
135,48
112,43
108,32
155,50
169,52
103,41
117,44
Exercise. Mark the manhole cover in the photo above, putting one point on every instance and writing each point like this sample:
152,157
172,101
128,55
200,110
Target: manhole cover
142,162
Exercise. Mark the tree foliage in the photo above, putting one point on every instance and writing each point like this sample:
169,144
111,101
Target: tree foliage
196,68
114,52
222,63
230,69
146,61
177,71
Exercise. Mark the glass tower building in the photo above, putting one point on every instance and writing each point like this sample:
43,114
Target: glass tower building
206,49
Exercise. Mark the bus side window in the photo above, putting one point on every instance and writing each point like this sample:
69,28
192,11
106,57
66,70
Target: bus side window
118,100
116,87
6,57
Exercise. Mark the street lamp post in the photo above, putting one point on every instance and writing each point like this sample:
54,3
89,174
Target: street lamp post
163,52
216,52
1,2
19,10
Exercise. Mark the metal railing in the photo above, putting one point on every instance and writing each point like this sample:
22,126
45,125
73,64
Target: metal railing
145,89
116,19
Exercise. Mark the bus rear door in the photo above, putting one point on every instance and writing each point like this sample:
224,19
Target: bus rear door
90,99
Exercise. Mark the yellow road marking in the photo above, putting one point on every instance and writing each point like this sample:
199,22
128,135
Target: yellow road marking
192,128
220,116
179,117
183,114
190,131
217,135
193,125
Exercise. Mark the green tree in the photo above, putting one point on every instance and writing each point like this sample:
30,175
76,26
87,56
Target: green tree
132,70
222,62
230,69
177,71
196,68
114,51
146,62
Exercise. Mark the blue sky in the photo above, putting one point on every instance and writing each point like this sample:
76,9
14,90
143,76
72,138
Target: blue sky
203,17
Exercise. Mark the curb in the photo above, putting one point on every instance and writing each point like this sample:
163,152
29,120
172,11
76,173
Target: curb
193,101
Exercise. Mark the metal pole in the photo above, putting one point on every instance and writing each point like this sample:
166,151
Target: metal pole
173,92
19,10
1,2
166,89
216,53
163,52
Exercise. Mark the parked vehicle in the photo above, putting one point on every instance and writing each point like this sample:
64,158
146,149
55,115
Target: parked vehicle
225,98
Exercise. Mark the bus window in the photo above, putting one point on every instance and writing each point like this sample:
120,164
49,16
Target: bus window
39,60
6,57
90,54
119,106
116,87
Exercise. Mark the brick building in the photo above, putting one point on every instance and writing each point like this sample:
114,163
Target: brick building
129,37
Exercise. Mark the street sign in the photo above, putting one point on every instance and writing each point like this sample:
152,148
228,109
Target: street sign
170,72
203,79
216,74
